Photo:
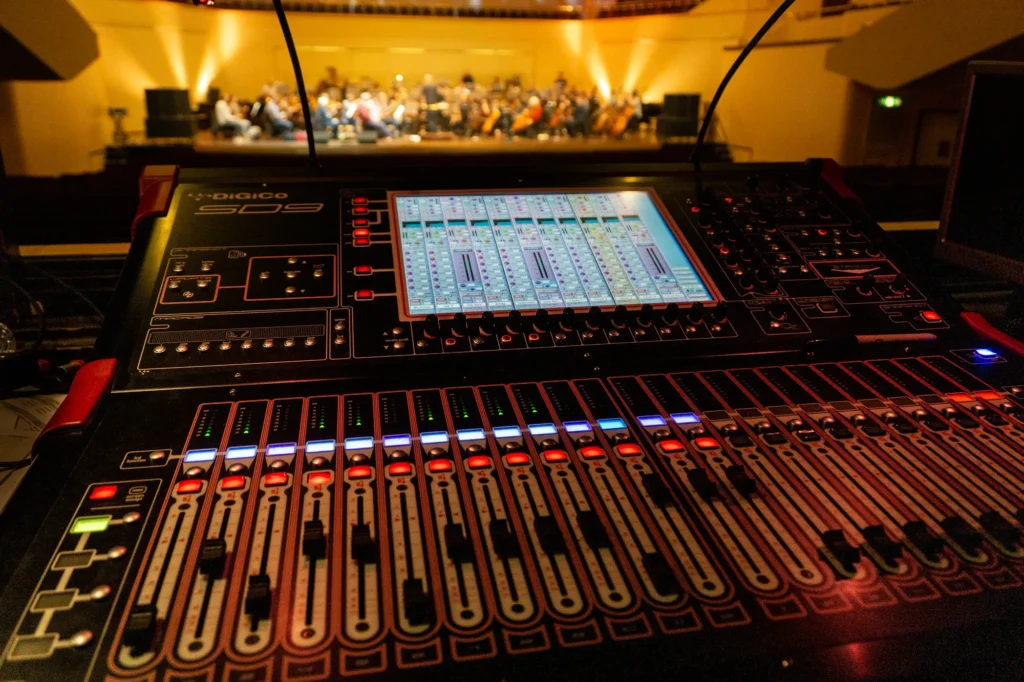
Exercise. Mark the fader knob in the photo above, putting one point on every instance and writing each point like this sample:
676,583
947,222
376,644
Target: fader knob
900,284
213,554
314,540
431,327
567,322
866,285
696,313
514,324
459,324
777,309
670,315
487,323
619,316
961,532
540,321
257,597
646,315
140,628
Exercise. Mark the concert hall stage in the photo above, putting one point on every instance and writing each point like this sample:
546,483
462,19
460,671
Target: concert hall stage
206,151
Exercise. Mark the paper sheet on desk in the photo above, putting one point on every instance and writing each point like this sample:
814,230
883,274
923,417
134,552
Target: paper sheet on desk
21,420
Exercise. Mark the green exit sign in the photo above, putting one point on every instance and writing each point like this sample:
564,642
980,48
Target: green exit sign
889,101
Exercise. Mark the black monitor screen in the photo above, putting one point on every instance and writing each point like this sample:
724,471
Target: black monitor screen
986,209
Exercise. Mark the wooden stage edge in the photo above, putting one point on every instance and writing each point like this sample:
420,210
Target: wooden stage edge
404,146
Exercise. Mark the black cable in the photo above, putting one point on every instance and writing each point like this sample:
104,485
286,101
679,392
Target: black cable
67,287
303,95
34,307
747,49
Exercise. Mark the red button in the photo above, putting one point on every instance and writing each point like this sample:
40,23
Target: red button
364,295
319,478
232,483
103,492
188,487
450,341
628,449
359,201
363,270
960,398
439,465
361,232
931,316
517,458
361,241
361,471
989,395
360,222
707,443
276,478
695,209
533,338
478,462
360,210
555,455
592,452
400,469
671,446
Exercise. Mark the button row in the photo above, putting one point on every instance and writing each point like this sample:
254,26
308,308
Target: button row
246,344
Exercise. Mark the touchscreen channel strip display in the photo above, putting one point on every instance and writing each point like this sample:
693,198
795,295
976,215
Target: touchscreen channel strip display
473,252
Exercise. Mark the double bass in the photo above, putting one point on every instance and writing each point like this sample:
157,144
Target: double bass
491,118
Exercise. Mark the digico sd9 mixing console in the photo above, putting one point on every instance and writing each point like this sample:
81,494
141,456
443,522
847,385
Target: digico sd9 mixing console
555,424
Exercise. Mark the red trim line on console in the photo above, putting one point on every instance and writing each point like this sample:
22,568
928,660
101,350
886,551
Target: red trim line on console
981,327
156,186
90,385
832,174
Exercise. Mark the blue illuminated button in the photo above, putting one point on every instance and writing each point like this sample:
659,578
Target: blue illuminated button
316,447
470,434
651,420
542,429
985,353
685,418
434,437
399,441
611,424
241,452
279,449
206,455
507,432
358,443
576,427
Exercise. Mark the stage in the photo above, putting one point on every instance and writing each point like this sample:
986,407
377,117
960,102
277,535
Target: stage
206,151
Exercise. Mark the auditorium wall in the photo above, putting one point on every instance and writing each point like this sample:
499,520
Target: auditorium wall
783,105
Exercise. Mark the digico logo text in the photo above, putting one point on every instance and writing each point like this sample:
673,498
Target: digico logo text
223,196
258,209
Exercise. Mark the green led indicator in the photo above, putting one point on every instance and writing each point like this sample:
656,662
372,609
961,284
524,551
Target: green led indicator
359,421
533,409
889,101
246,431
90,524
500,413
207,433
465,414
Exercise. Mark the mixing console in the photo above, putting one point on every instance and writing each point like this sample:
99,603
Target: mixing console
647,424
